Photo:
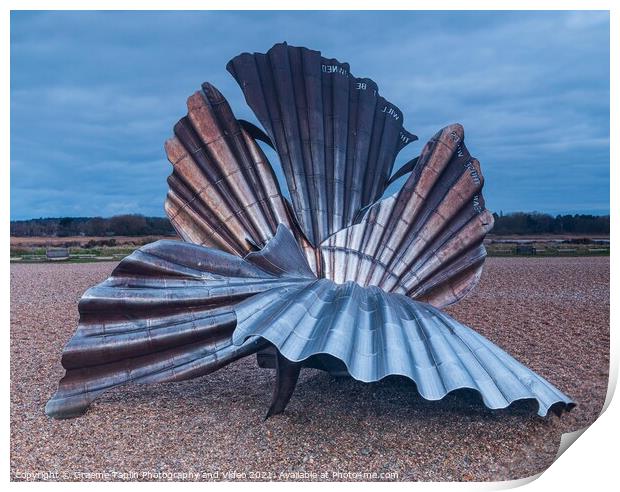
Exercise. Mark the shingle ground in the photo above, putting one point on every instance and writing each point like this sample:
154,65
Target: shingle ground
552,314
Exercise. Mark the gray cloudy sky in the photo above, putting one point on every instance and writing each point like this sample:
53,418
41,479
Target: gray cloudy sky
95,94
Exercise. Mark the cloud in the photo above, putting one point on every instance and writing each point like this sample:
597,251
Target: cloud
95,94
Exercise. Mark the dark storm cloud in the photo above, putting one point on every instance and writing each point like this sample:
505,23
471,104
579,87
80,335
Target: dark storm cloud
94,96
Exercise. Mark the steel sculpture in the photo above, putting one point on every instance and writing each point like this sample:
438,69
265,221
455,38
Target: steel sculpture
337,279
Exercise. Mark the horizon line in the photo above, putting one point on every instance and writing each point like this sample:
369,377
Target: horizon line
500,213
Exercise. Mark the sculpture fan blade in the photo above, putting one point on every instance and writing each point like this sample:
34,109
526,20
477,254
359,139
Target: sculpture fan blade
376,334
166,314
223,192
426,241
337,138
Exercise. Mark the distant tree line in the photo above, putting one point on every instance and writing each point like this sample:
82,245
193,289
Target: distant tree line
539,223
139,225
119,225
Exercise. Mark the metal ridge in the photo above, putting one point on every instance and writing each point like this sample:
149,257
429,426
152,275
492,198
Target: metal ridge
336,137
426,240
376,334
223,192
165,314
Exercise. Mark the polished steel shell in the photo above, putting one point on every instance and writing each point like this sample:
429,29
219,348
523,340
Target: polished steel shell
426,241
376,334
223,192
336,137
340,279
166,314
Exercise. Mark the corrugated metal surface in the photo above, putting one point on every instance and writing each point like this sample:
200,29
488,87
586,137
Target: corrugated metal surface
377,334
337,138
169,311
223,192
426,241
166,314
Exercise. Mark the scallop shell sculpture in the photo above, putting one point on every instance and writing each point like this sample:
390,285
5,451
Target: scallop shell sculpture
338,278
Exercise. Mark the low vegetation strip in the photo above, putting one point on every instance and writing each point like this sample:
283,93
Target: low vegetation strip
542,249
101,239
80,248
86,249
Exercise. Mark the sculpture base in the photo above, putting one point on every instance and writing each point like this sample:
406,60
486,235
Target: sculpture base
266,359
